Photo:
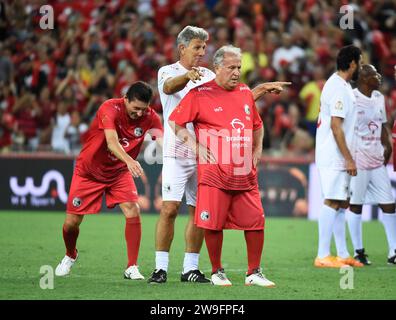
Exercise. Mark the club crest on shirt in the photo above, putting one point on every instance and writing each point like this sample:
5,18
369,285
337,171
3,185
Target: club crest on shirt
138,132
339,106
205,215
247,109
77,202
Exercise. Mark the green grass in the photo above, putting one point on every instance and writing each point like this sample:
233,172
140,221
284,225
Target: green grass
29,240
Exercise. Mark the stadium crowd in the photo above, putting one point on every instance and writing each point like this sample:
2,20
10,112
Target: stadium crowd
52,81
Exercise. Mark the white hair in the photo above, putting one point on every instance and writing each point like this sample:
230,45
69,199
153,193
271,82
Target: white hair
219,54
189,33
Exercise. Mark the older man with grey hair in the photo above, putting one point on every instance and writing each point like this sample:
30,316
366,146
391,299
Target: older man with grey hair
223,112
179,174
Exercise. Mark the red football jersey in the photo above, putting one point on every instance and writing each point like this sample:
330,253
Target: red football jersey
95,160
224,121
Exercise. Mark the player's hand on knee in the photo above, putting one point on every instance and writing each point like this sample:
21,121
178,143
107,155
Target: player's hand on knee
135,168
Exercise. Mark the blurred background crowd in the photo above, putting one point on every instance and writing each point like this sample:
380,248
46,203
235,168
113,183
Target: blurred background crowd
52,81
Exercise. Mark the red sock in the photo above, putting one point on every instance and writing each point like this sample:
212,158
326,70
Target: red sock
254,243
214,243
70,238
133,234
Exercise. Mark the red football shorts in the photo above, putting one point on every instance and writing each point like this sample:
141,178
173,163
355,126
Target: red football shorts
219,209
85,196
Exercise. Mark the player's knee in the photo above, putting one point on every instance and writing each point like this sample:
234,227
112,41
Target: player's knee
388,208
169,210
130,209
72,221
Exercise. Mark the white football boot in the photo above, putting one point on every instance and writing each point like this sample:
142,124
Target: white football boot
219,278
133,273
257,278
64,267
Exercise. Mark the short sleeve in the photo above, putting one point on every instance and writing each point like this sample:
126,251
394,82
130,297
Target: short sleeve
163,75
186,111
338,105
107,115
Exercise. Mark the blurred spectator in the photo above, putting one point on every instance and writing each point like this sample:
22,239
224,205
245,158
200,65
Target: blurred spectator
287,56
310,96
74,133
100,47
26,112
61,122
6,65
47,110
6,129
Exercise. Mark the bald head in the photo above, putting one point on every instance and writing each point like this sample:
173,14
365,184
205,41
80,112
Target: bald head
369,79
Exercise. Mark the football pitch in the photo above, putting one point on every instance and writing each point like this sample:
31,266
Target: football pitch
30,240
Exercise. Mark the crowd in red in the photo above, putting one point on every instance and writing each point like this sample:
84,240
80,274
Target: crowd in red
53,80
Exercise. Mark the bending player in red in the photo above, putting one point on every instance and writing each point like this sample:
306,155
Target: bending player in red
223,112
106,165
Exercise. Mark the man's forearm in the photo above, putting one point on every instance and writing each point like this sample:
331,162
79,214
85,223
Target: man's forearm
175,84
258,136
118,151
341,143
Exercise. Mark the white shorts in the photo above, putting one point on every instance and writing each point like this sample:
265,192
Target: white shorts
334,183
371,187
179,176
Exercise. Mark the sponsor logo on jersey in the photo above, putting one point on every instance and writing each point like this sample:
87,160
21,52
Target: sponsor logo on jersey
204,89
237,125
138,132
77,202
218,109
243,88
372,126
205,215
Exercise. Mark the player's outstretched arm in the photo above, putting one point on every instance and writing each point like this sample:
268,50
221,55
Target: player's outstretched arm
268,87
339,136
175,84
117,150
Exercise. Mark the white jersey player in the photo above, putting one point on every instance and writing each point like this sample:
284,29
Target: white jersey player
334,139
372,151
179,164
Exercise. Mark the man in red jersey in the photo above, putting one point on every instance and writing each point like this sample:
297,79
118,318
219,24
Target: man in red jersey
230,134
106,164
